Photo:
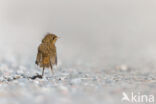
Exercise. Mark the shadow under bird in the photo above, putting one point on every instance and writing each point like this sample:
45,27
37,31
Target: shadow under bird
47,56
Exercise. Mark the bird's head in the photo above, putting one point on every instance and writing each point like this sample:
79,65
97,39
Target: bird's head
50,38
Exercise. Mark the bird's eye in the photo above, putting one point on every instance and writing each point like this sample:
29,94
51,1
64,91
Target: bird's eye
53,38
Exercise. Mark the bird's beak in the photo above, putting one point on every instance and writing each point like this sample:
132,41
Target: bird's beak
58,37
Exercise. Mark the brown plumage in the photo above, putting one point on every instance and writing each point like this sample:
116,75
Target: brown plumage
46,56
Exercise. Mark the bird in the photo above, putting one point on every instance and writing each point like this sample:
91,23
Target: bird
125,97
47,55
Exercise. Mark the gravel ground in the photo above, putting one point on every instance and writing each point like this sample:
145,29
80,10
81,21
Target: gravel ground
74,84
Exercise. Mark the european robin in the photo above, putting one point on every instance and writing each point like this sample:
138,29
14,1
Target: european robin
47,56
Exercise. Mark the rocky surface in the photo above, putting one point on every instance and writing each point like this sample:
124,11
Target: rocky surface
79,84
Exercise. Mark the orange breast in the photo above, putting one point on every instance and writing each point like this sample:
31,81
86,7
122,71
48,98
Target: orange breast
46,61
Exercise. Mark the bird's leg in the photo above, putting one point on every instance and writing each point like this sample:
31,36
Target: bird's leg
43,71
51,68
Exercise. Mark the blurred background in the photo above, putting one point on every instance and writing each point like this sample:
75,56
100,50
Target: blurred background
94,31
107,47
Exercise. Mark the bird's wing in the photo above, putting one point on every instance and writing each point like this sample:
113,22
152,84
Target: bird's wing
53,56
53,59
38,58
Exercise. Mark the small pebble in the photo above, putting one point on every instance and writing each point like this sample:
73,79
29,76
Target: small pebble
76,81
122,67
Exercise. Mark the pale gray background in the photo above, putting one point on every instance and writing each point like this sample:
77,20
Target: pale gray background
89,29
